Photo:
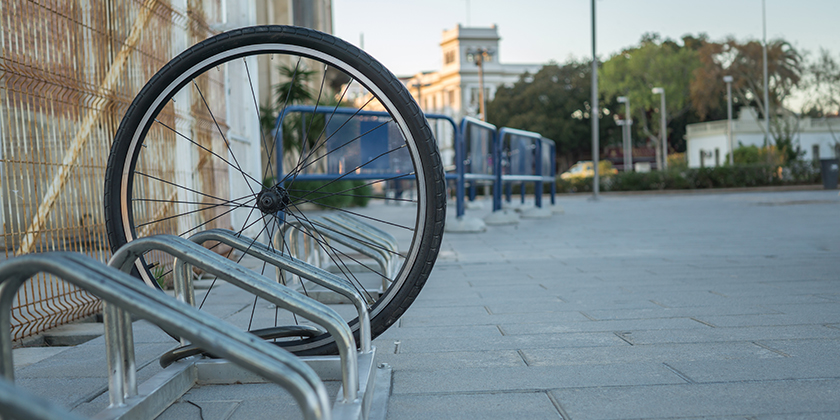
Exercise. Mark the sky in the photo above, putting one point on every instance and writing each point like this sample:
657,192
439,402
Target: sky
405,34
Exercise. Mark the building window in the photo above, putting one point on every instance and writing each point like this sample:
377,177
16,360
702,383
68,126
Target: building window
717,156
815,152
451,98
449,57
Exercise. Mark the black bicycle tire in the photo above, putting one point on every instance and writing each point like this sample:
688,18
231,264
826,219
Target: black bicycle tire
432,169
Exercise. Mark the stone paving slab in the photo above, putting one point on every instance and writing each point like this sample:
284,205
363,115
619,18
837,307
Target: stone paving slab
491,406
451,360
774,399
529,378
714,306
450,344
638,354
798,368
658,307
539,327
733,334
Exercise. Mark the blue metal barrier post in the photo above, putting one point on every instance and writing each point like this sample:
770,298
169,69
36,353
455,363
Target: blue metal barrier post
538,163
524,153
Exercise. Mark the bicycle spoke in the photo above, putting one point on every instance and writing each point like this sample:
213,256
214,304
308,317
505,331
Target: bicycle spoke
339,194
210,207
366,217
279,125
297,169
324,244
208,222
256,108
213,283
312,120
339,178
321,197
208,151
282,274
158,200
230,149
183,187
334,150
358,239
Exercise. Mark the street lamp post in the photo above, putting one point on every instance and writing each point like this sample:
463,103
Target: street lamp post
479,56
663,129
627,134
728,80
766,89
594,113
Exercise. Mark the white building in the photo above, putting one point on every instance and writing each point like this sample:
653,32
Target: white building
707,145
454,89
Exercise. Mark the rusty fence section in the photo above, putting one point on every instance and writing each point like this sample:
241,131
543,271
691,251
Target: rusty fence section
68,71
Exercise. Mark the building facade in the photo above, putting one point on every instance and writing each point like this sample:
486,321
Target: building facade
707,143
454,89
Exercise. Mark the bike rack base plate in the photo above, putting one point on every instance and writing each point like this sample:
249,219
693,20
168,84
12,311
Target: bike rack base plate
163,389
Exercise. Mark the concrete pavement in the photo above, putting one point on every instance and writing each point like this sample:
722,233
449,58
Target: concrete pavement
677,306
666,307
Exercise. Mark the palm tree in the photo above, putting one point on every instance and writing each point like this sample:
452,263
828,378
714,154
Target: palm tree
294,90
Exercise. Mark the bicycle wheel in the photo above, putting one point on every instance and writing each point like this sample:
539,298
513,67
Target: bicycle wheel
175,167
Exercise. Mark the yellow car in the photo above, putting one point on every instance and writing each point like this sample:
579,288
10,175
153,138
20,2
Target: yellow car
585,169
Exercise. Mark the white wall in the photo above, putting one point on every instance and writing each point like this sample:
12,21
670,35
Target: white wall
711,135
242,118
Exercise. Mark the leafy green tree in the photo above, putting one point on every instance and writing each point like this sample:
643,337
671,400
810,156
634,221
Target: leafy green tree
653,63
301,133
553,102
744,62
822,85
294,90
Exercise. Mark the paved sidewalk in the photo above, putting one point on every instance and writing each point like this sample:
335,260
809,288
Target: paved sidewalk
663,307
677,306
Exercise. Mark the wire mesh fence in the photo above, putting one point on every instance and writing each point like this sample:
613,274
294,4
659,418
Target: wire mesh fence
68,72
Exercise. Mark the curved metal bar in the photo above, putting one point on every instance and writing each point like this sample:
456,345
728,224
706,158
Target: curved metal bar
282,296
351,238
314,274
366,230
128,294
346,240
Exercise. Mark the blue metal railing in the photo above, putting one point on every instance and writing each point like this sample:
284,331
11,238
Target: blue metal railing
479,160
368,142
526,156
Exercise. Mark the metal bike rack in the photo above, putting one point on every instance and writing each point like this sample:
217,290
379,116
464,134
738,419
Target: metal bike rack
124,295
366,230
191,253
328,230
284,262
365,233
